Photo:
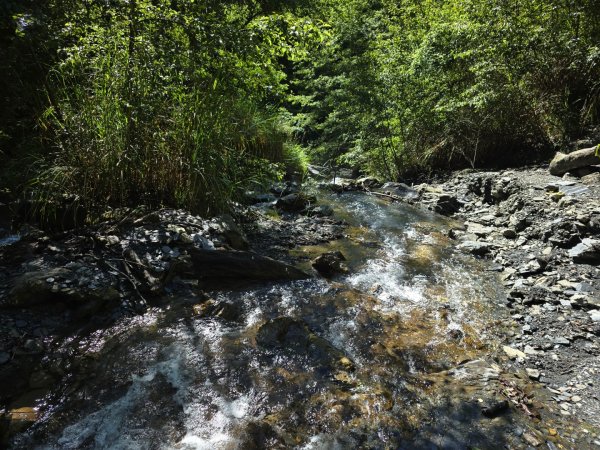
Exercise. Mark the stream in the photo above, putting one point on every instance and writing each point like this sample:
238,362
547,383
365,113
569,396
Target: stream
395,354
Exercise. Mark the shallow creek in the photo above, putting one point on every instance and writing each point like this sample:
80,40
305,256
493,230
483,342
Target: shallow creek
395,354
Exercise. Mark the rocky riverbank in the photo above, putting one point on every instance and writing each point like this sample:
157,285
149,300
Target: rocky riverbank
58,289
540,233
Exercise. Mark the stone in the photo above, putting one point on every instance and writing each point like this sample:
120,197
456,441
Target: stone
534,374
563,163
531,439
330,263
495,408
561,341
41,379
447,205
478,229
32,288
368,182
513,353
233,234
283,331
595,315
292,203
321,211
399,190
586,252
475,248
509,233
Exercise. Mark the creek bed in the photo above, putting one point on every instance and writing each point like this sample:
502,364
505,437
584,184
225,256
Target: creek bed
395,354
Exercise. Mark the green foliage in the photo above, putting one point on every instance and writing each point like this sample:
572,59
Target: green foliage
404,87
166,103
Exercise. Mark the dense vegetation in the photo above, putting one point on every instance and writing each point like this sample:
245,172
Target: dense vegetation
191,102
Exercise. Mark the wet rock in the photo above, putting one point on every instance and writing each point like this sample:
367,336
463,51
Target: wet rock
368,182
222,310
221,264
563,163
509,233
283,332
399,190
321,211
283,189
330,263
531,439
261,436
4,358
292,203
41,379
20,419
586,252
495,408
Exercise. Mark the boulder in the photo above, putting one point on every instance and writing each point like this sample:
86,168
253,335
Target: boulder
330,263
563,163
586,252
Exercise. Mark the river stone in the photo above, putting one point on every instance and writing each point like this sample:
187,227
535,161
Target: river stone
321,211
475,248
292,203
586,252
563,163
41,379
513,353
33,288
330,263
233,235
283,332
447,205
399,190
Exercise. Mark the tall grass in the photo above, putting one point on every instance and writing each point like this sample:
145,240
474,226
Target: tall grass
122,141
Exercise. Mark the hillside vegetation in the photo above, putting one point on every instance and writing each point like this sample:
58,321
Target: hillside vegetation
191,102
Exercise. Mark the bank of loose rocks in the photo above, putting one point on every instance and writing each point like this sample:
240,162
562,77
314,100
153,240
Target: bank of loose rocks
541,233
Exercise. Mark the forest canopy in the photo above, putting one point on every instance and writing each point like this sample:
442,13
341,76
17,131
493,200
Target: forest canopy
189,103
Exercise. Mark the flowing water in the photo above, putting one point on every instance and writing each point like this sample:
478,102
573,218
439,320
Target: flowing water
391,355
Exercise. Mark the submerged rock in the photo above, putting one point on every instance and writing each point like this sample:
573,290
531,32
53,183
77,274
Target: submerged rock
330,263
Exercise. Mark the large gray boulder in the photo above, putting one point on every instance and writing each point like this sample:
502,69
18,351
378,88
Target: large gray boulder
563,163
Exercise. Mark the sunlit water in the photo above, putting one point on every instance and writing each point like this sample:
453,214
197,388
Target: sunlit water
347,372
